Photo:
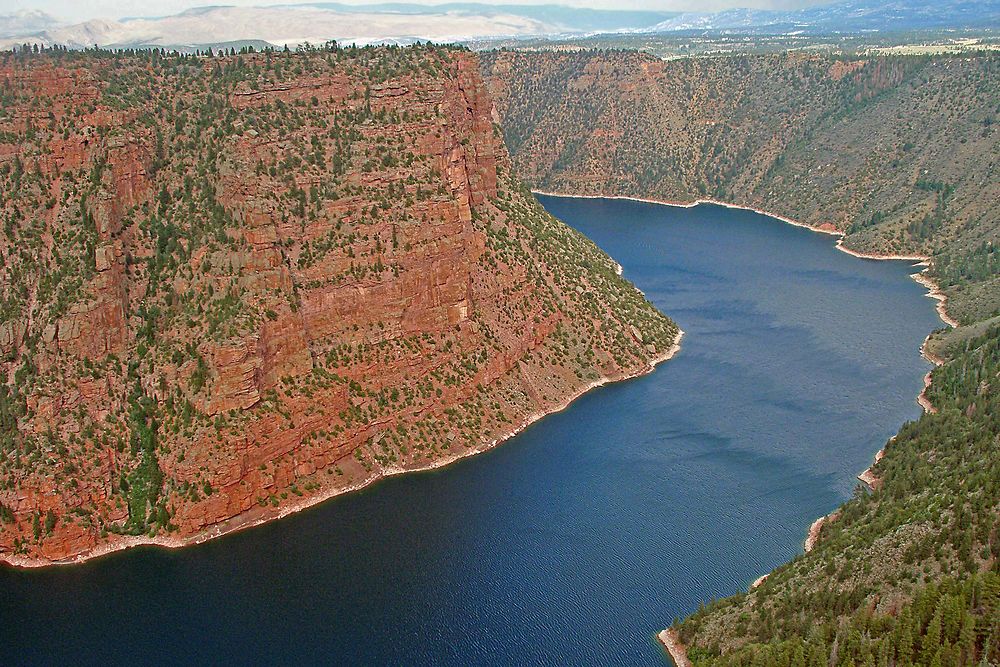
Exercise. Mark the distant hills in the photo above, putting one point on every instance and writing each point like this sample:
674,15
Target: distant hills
559,17
319,22
851,16
290,25
403,23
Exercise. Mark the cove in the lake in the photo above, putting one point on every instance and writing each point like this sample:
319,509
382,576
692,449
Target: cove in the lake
576,541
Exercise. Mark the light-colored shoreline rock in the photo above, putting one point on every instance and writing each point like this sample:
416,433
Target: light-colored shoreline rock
122,542
814,530
677,650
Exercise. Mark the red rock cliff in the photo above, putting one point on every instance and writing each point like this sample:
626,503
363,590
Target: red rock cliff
237,285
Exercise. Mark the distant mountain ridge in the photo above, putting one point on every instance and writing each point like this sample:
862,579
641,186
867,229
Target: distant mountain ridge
850,16
294,24
407,22
567,19
278,26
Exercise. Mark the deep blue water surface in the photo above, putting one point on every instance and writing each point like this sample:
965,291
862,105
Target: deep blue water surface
579,539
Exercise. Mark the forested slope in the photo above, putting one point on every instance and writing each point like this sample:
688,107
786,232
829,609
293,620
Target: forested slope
901,153
906,573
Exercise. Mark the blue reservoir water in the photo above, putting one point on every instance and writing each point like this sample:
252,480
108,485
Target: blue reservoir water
575,542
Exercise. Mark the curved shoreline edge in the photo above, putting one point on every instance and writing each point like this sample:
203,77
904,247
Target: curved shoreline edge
934,291
234,524
672,642
669,637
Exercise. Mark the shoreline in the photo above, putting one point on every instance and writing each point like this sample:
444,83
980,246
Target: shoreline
233,524
813,536
934,291
668,637
672,642
690,204
922,399
868,476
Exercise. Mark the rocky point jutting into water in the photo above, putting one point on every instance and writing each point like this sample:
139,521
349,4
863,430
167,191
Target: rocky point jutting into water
234,285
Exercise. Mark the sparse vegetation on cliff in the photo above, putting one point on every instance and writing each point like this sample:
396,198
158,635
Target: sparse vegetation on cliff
233,281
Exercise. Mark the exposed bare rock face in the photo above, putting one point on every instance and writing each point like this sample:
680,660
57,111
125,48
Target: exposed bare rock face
234,285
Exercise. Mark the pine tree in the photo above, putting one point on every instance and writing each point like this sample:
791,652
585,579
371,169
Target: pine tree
931,641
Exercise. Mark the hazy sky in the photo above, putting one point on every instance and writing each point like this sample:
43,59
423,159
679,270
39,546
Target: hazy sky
77,10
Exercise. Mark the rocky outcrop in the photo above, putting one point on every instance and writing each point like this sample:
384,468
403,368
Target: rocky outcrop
96,327
238,367
312,270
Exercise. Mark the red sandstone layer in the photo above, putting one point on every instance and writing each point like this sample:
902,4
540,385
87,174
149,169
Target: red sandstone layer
292,275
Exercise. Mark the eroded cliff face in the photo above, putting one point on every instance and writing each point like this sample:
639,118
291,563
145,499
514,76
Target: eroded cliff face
235,285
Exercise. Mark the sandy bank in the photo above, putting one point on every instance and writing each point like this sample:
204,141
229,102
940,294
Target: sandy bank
942,299
868,477
258,515
922,399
